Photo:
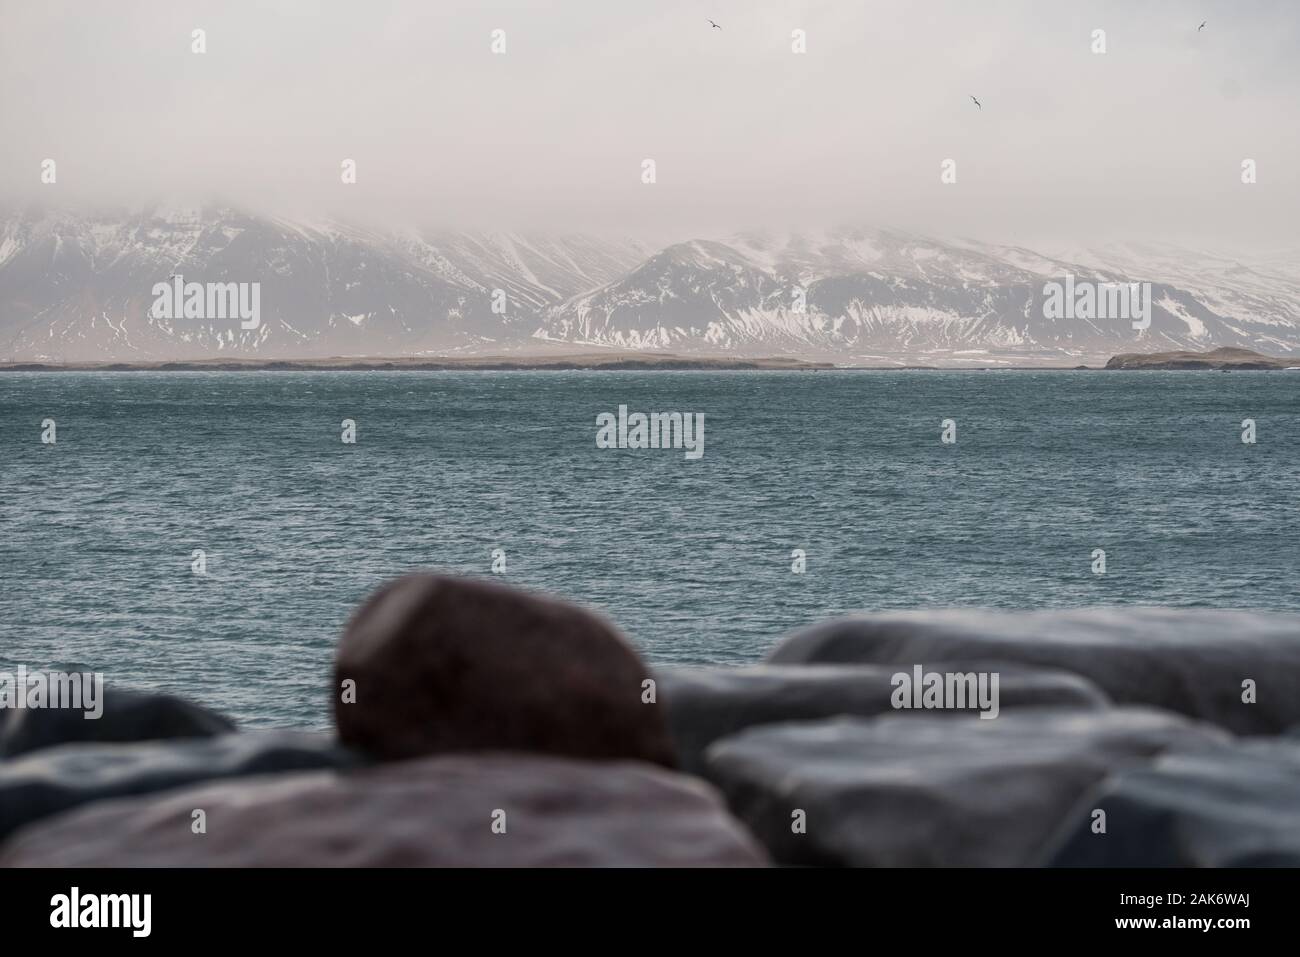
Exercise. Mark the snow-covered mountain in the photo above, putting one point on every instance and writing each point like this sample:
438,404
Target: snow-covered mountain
881,295
79,288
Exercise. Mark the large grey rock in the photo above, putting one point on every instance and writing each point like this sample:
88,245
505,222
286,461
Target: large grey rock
127,716
1236,806
53,780
704,704
435,811
918,790
1188,660
444,664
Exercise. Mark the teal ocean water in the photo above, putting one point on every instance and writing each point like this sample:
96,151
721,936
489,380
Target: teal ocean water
691,558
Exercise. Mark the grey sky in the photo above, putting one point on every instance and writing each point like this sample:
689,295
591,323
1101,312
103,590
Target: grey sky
1145,140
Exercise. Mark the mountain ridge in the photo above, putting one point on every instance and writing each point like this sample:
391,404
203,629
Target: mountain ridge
76,287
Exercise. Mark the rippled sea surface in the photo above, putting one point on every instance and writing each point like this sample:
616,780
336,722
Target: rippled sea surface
691,558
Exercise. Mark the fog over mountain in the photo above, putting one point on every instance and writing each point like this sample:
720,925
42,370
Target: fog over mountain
797,114
80,288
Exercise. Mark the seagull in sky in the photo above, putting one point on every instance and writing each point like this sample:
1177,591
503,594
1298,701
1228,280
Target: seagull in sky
1202,26
977,102
712,24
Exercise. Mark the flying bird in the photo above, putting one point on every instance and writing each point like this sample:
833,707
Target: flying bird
1202,26
977,102
712,24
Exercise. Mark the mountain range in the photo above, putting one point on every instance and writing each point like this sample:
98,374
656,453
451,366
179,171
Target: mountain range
78,287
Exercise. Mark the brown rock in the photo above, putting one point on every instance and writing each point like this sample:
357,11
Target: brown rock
430,812
447,664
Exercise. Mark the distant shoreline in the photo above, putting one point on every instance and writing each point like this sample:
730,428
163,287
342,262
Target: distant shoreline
1218,359
478,364
1224,360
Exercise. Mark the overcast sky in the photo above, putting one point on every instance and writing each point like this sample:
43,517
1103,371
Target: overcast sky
1144,141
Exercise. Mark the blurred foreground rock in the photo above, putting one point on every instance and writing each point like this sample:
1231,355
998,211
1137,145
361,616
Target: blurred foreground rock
57,779
483,725
705,704
501,810
1236,806
444,664
909,790
1190,660
127,716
